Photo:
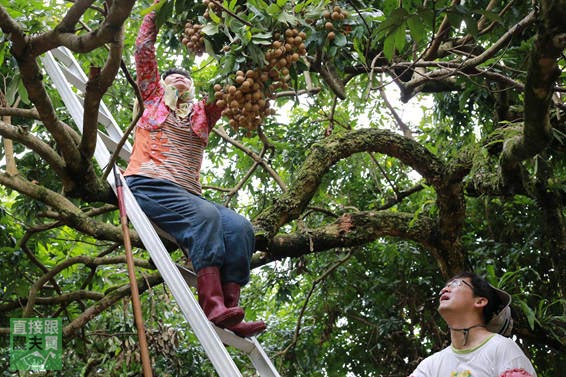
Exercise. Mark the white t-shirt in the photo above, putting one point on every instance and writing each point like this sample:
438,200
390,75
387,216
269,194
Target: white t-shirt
497,356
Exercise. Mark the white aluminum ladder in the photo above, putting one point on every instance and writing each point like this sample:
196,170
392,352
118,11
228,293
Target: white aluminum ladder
66,74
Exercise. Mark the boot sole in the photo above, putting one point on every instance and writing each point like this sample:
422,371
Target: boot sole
230,318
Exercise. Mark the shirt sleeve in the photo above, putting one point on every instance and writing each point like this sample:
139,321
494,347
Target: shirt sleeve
422,369
213,112
145,57
517,364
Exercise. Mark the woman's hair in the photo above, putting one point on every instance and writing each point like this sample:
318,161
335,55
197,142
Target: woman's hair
179,71
483,289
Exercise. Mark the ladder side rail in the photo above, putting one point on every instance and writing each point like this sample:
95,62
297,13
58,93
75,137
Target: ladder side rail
111,127
261,361
72,102
70,68
75,80
201,326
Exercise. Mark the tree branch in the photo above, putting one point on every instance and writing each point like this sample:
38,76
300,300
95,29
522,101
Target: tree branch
541,76
355,229
97,85
89,261
410,87
43,149
335,148
110,299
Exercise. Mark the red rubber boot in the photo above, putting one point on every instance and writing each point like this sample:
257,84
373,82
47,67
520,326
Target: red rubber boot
244,329
211,299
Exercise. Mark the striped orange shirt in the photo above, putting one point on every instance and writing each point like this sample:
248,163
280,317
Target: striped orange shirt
172,152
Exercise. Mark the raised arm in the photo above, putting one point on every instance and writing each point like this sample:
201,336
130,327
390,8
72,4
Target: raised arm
145,57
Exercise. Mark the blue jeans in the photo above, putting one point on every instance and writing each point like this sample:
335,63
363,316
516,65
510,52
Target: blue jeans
212,234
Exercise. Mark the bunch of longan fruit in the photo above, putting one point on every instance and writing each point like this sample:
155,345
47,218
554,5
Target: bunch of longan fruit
193,38
335,15
246,100
285,50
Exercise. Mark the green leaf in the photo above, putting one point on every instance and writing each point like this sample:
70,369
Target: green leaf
180,6
214,17
22,91
13,89
400,38
300,6
416,28
210,29
259,4
273,10
164,13
287,18
389,47
228,66
153,7
266,36
529,313
2,54
209,48
392,22
359,48
340,40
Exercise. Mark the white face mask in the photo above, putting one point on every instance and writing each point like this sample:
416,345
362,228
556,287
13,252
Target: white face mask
171,98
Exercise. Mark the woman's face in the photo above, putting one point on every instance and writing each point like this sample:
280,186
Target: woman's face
182,83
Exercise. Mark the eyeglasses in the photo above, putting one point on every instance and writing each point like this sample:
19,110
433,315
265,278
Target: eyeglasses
458,283
455,284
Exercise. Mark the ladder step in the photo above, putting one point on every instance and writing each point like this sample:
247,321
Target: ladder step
111,145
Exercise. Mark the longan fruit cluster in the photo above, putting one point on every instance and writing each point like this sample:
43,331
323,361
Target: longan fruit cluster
335,15
194,38
245,102
286,49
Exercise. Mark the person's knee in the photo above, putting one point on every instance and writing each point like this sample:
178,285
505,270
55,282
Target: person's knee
208,213
245,226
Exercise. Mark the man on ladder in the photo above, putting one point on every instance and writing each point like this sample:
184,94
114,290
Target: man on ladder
163,174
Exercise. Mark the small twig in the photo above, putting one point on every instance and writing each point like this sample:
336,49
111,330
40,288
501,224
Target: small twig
231,13
294,93
34,290
311,291
406,130
331,121
384,174
130,128
219,130
244,179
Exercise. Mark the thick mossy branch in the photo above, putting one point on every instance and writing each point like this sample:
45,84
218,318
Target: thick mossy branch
328,152
541,76
355,229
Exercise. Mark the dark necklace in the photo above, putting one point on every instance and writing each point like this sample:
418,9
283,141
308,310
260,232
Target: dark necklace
466,331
